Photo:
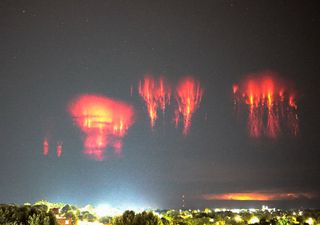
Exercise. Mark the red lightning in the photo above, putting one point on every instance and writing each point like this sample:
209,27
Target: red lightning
59,149
272,105
104,121
156,94
188,95
45,147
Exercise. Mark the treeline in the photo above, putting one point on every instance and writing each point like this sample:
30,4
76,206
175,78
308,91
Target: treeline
26,215
131,218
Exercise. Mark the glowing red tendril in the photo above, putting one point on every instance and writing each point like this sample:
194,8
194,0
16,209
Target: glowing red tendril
272,106
156,94
59,149
188,96
45,147
104,121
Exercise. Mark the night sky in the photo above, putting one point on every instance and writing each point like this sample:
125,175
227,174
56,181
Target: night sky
52,51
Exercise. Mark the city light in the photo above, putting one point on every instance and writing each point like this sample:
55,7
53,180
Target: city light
309,221
107,210
238,219
89,223
253,220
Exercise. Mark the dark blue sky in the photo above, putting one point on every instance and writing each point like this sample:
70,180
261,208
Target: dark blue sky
51,51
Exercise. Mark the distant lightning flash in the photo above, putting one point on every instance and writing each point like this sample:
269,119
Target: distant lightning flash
260,196
271,105
104,121
188,95
156,94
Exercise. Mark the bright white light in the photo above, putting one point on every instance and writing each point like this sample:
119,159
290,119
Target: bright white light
238,219
106,210
138,208
88,223
253,220
309,221
235,210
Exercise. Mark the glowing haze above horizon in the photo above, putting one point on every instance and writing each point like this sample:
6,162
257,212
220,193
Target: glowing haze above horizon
136,104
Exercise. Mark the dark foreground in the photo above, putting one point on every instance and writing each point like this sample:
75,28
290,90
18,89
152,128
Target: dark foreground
45,213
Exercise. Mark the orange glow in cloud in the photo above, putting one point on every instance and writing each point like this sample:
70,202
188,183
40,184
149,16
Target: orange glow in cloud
156,94
258,196
271,105
104,121
188,95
